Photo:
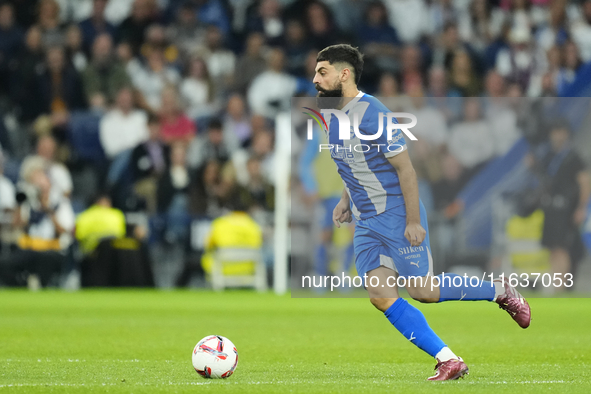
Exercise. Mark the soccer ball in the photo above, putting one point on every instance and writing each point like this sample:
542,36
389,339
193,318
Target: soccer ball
215,357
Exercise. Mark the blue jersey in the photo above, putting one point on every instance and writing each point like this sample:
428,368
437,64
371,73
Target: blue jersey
370,179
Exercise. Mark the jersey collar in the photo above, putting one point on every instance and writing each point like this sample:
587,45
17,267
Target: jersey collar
353,101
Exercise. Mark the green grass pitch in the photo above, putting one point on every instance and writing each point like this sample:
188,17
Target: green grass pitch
141,341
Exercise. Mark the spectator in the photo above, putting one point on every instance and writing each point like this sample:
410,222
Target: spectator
304,85
209,190
156,40
262,149
483,26
96,25
211,147
11,39
379,40
521,61
258,194
251,63
104,76
321,26
58,174
431,131
296,47
446,189
268,21
431,125
348,14
412,71
441,14
24,73
570,68
471,142
47,220
123,127
187,31
462,76
7,207
522,15
495,85
220,61
173,203
173,195
148,163
580,31
7,192
410,18
198,90
555,31
176,126
271,91
117,11
388,86
152,78
502,120
566,193
212,12
237,128
501,43
441,96
133,28
59,87
99,222
49,23
74,50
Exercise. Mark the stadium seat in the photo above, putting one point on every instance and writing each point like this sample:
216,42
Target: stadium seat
224,257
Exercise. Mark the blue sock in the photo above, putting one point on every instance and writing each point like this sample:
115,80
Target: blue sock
464,288
412,324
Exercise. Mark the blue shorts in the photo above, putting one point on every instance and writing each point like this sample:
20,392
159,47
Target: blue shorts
379,241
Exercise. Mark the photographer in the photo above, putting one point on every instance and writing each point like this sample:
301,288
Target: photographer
46,220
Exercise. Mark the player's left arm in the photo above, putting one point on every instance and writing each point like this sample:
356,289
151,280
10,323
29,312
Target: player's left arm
414,232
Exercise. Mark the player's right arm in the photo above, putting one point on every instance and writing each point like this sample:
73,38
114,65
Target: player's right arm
414,232
342,212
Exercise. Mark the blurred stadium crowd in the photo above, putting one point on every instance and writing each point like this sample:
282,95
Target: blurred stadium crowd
164,110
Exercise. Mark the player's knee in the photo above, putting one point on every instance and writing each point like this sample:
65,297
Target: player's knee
382,303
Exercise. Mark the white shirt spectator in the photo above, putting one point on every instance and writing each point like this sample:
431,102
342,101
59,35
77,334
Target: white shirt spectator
471,143
196,94
431,125
59,175
221,63
78,10
61,178
409,17
271,88
120,132
7,194
502,122
44,228
151,83
581,34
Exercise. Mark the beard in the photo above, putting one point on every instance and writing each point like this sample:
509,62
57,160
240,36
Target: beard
330,98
